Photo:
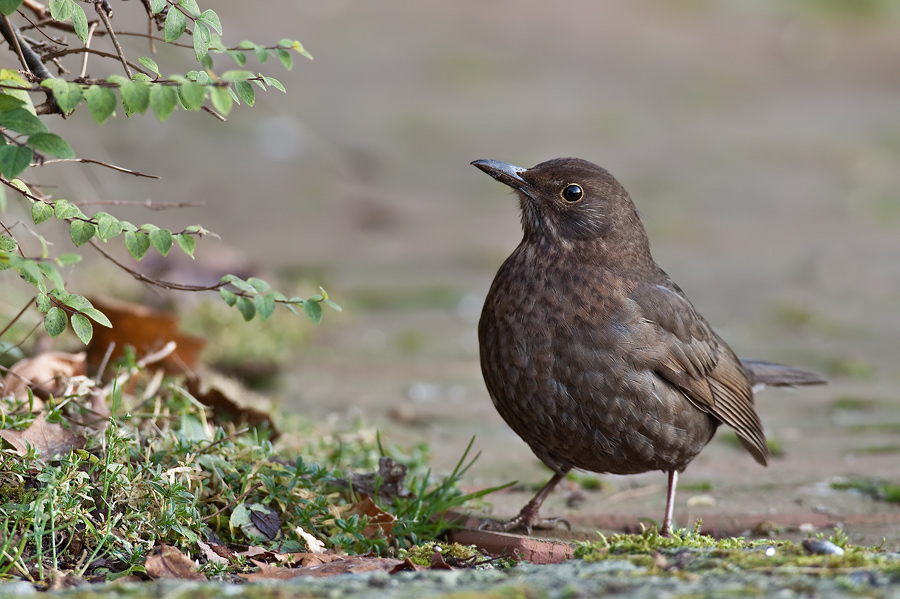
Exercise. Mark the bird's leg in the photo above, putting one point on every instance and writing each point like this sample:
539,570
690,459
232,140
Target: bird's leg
670,503
528,518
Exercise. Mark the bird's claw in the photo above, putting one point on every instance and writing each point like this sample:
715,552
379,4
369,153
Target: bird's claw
527,521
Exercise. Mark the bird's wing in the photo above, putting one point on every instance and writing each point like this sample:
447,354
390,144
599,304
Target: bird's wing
682,348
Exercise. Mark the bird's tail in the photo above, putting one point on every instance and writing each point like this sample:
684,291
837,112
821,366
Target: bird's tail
769,373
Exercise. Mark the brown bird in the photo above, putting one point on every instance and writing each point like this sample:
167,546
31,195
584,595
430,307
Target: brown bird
592,354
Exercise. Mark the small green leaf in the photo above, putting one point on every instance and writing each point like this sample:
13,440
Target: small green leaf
40,212
108,226
22,121
258,284
64,209
212,19
82,327
230,297
14,160
287,61
67,259
273,82
313,310
55,321
221,100
51,143
81,231
187,243
192,95
8,7
239,283
75,301
161,240
246,307
298,47
245,92
61,10
175,25
8,103
149,63
239,57
162,101
190,6
137,244
79,22
8,244
201,40
101,102
265,305
135,97
236,75
49,271
156,6
97,316
66,94
43,303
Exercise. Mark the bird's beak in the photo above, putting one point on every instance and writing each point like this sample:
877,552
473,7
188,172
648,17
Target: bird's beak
505,173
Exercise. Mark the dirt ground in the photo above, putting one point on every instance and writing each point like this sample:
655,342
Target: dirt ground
760,143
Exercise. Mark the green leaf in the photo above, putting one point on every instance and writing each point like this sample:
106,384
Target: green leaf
8,102
81,231
61,10
262,54
108,226
82,327
239,283
175,25
135,97
161,240
8,244
313,310
245,92
101,102
67,259
8,7
258,284
67,95
190,6
201,40
265,305
192,95
236,75
64,209
43,303
221,100
51,143
30,273
186,242
212,19
55,321
40,212
246,307
97,316
230,297
156,6
137,244
14,160
273,82
73,300
298,47
162,100
22,121
149,63
287,61
79,22
49,271
239,57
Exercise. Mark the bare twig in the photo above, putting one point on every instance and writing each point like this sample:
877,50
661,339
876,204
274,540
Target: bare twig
110,166
61,53
214,113
102,11
15,319
30,60
145,204
87,44
151,281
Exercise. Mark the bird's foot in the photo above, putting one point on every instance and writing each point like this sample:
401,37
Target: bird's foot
528,519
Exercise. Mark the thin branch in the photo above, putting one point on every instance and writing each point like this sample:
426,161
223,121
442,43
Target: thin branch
87,44
101,10
145,204
151,281
30,60
214,113
15,319
110,166
61,53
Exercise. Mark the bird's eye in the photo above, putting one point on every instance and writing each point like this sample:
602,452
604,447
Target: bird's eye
572,193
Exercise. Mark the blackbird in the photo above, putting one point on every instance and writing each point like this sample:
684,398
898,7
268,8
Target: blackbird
592,354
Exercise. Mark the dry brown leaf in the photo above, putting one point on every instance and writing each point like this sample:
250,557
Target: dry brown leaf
170,562
380,521
50,439
347,565
146,330
406,565
48,374
230,401
215,553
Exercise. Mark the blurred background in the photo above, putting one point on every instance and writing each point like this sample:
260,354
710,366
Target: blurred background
759,139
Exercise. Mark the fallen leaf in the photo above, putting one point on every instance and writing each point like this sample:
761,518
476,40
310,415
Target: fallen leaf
50,439
379,521
231,402
406,565
48,374
170,562
438,563
215,553
349,565
313,544
266,520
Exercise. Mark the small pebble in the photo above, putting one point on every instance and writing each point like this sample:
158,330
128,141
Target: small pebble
770,551
822,547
